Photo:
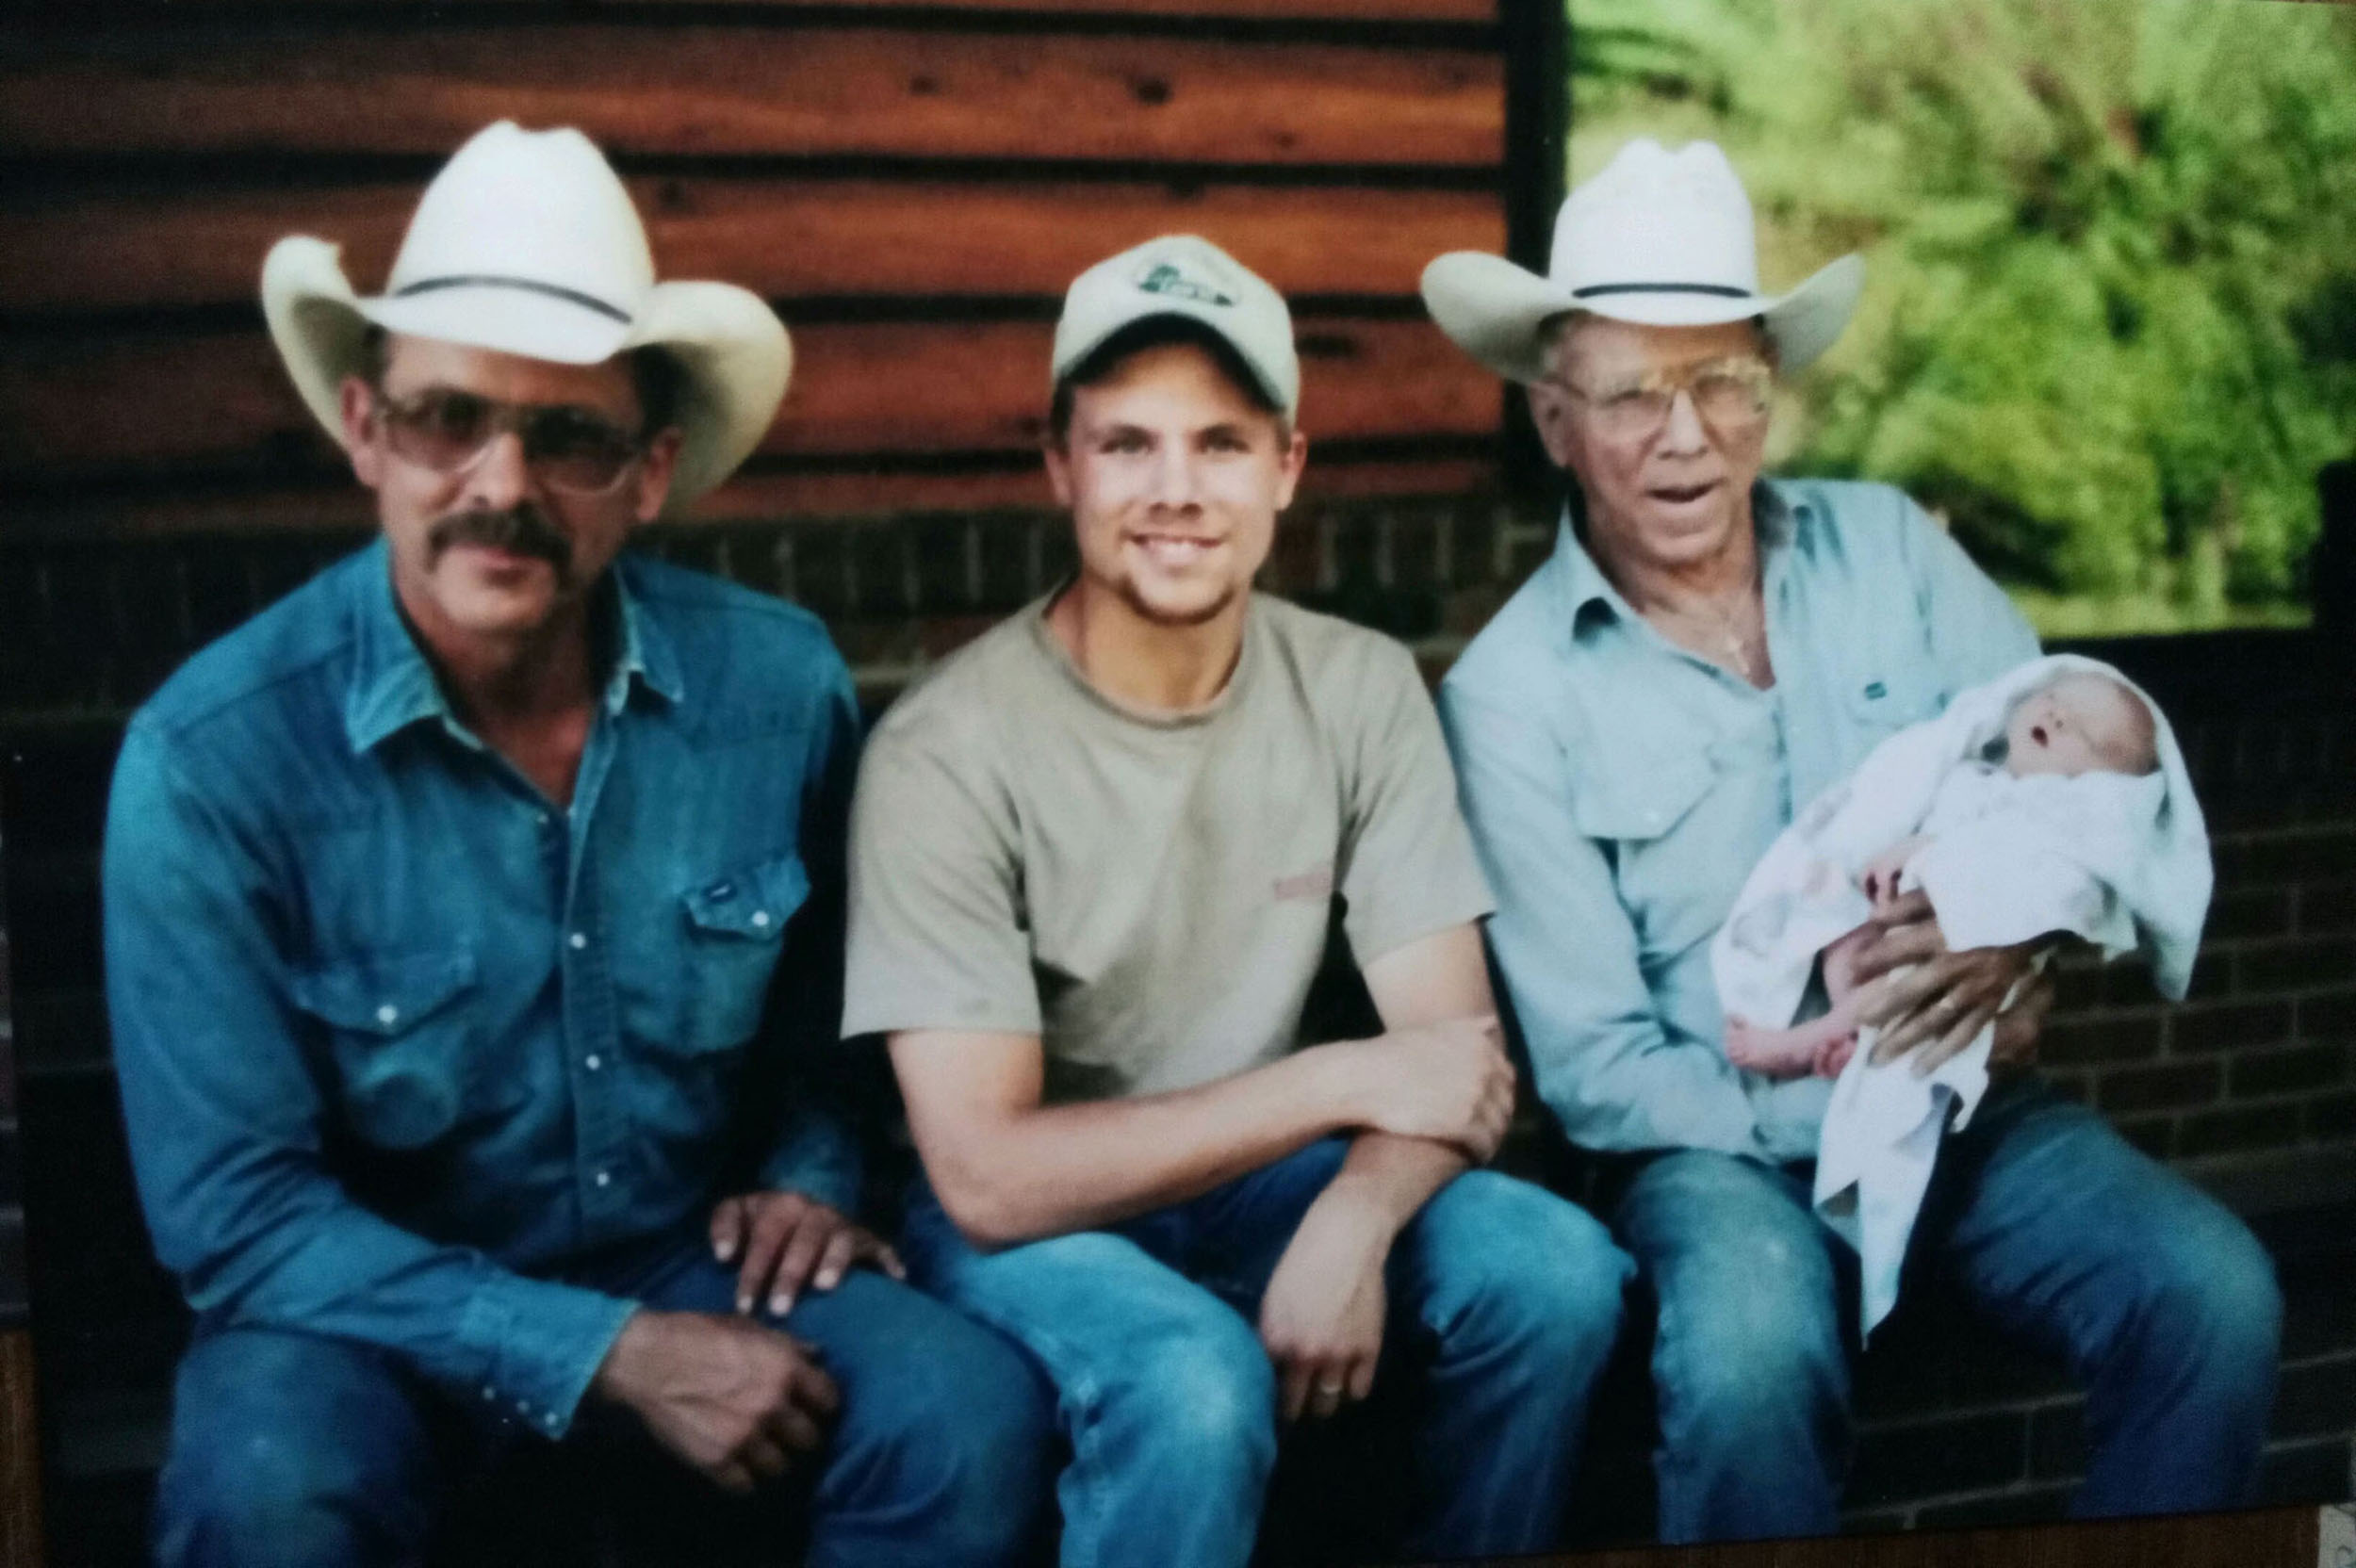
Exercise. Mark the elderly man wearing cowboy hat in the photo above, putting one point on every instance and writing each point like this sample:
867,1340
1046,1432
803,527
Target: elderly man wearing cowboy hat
1095,862
1706,649
469,915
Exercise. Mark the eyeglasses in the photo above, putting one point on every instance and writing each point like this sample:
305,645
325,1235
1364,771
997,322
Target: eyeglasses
1730,396
569,448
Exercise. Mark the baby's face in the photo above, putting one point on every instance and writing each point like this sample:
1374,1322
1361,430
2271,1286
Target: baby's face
2078,724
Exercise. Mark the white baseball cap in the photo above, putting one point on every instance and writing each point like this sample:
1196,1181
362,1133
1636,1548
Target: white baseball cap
1187,276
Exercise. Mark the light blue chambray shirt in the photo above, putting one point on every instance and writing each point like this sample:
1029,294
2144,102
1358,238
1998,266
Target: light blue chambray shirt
401,1045
1620,790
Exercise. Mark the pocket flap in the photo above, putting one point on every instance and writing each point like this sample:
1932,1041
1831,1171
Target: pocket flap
755,902
1643,803
385,995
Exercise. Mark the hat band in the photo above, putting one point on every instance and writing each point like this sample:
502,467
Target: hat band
528,286
1720,290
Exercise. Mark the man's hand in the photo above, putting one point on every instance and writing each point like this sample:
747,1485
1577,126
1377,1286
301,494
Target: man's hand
1945,998
735,1400
1449,1081
787,1242
1321,1317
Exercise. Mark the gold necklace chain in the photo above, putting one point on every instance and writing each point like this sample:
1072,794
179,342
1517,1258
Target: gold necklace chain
1741,640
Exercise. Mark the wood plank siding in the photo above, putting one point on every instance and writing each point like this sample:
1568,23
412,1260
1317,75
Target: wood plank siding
912,186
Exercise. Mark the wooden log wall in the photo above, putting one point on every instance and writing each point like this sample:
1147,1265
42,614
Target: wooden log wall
912,187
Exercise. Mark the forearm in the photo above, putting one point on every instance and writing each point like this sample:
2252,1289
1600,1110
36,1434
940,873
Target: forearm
293,1252
1390,1178
1056,1168
1623,1086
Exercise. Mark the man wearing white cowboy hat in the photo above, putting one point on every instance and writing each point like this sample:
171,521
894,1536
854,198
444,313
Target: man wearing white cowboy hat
1095,860
1707,649
472,939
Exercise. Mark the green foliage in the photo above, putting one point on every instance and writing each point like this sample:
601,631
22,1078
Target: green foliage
2110,327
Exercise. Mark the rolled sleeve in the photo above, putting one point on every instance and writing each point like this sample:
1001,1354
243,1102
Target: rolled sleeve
1604,1064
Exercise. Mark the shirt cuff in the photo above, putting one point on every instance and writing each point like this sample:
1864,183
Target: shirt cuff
540,1344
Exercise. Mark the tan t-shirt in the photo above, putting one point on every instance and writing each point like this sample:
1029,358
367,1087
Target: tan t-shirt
1150,894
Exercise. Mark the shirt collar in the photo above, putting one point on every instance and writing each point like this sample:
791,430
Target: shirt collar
393,687
1588,595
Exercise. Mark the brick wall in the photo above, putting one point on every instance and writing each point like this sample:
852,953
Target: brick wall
2247,1086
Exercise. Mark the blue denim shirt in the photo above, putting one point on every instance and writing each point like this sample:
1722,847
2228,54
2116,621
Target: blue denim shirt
1620,790
400,1043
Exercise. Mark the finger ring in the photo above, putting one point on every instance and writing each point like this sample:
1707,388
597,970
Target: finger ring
1331,1391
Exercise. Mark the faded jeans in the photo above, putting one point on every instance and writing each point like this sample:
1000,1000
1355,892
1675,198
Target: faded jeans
1503,1304
2048,1222
294,1450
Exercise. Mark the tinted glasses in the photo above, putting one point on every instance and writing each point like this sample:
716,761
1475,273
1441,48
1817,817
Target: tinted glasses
569,448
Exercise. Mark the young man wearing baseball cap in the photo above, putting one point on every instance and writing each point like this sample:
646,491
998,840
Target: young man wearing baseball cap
1094,857
472,929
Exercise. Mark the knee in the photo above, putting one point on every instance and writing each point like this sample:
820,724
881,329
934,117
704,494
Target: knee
957,1440
289,1450
1544,1277
260,1501
1201,1402
1751,1360
2209,1294
993,1460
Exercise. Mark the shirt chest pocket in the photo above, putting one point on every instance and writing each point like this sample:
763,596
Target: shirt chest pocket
1654,821
409,1059
733,929
1888,683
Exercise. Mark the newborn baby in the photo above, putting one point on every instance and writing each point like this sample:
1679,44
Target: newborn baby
2077,722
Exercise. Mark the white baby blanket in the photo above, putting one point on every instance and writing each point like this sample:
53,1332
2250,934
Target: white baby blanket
2121,861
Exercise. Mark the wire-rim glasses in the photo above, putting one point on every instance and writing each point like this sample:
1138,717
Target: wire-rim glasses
1731,396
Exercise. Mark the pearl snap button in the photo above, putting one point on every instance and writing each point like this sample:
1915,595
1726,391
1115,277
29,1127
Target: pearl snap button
761,917
579,941
388,1014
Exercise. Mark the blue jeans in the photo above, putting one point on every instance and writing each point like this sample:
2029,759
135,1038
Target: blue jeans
2162,1302
291,1450
1504,1302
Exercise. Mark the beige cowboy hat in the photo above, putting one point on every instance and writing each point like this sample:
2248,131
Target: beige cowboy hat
1657,238
526,242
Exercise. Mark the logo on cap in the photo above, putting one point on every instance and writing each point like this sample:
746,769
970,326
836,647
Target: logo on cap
1166,277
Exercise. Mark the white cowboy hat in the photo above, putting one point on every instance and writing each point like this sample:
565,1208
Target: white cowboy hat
1659,237
526,242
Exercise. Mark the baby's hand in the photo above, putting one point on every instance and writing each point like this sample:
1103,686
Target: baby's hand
1771,1052
1833,1053
1878,881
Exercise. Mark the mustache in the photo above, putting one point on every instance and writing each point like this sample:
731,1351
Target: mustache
520,530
